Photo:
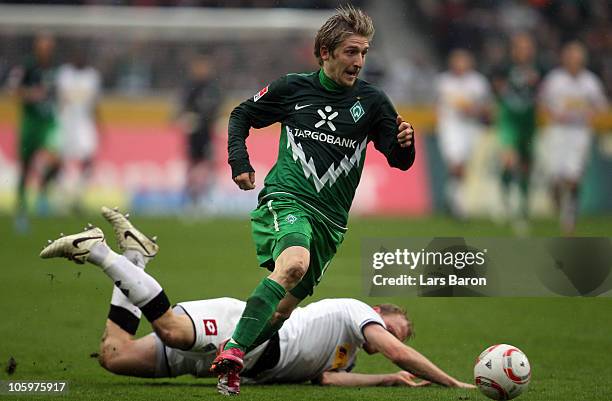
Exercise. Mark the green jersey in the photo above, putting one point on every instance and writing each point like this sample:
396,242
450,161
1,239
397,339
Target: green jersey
521,82
34,75
325,130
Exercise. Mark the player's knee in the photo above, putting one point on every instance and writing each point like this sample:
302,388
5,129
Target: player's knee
109,354
296,269
173,338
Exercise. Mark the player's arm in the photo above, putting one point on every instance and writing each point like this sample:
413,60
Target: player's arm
407,358
262,110
347,379
393,137
97,114
19,84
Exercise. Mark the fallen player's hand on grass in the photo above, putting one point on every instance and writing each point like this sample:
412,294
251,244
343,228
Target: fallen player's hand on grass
459,384
406,132
403,378
245,181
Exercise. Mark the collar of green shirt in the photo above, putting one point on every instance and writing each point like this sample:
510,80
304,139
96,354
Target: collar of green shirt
329,83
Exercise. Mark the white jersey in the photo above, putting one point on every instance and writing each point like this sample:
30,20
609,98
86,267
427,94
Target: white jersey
78,91
458,131
568,142
322,336
573,96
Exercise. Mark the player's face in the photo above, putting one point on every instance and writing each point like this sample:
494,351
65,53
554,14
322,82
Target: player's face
396,325
346,61
43,47
460,62
573,58
523,49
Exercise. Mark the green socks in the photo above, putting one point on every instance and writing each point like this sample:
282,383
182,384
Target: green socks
259,309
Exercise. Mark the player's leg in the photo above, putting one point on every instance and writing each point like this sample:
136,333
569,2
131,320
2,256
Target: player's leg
455,145
524,147
283,311
50,162
578,144
507,137
142,290
290,266
121,354
282,233
26,164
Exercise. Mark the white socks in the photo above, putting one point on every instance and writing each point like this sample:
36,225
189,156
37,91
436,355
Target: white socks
138,287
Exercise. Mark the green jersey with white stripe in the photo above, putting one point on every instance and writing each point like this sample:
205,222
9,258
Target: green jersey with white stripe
325,129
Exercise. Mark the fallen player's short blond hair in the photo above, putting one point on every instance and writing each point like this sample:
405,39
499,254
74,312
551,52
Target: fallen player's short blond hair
392,309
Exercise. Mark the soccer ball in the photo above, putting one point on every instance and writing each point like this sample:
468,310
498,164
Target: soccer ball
502,372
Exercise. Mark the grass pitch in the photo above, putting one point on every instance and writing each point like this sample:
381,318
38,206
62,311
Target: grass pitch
53,313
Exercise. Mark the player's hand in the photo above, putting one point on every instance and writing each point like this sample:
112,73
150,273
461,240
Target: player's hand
405,137
403,378
245,181
459,384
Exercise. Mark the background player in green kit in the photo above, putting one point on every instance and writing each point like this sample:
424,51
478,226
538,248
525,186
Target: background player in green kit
516,85
327,119
34,84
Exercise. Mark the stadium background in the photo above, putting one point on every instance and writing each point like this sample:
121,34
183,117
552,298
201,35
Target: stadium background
53,314
143,55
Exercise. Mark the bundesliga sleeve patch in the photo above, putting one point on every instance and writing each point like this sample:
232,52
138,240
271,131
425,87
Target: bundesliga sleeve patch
259,94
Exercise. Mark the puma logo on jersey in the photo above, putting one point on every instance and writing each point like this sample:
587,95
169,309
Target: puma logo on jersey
327,118
298,107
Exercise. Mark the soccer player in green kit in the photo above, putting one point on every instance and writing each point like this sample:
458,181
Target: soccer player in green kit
516,87
34,84
327,119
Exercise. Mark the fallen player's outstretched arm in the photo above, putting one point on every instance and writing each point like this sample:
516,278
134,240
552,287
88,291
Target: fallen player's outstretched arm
347,379
408,358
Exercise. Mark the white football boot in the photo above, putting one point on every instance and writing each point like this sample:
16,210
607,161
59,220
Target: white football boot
127,236
74,247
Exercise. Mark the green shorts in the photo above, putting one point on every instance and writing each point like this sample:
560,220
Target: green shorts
37,133
280,223
517,131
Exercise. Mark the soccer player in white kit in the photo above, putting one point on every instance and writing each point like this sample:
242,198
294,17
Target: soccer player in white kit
318,343
78,91
571,96
463,102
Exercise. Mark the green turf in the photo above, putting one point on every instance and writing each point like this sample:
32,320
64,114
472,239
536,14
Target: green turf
53,313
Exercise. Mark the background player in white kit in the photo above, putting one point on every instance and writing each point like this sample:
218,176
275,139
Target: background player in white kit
463,98
571,96
78,86
319,342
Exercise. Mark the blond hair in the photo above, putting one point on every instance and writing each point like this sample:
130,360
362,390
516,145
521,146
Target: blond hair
392,309
347,21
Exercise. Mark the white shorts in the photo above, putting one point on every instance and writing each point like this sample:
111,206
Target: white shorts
78,135
567,151
457,141
214,321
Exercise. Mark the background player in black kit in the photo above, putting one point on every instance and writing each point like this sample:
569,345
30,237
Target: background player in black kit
197,114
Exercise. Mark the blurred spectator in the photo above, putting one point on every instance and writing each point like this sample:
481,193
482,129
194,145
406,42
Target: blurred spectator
571,96
462,95
78,90
198,111
515,83
478,25
34,84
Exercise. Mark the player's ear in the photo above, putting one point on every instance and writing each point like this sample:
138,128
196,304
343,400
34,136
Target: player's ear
325,54
377,309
